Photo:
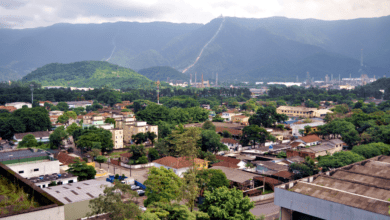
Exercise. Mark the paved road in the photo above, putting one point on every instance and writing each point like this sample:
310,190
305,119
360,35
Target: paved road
268,209
137,174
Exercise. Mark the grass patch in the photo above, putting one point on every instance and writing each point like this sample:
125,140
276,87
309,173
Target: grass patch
116,154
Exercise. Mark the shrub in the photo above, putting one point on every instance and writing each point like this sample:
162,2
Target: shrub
142,160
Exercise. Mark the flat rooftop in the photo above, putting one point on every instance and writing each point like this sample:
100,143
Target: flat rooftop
21,154
52,177
363,185
75,192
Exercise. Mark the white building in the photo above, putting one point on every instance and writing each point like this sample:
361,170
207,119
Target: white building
288,84
30,163
227,116
59,179
40,136
18,105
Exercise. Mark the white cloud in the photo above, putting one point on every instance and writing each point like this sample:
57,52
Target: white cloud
35,13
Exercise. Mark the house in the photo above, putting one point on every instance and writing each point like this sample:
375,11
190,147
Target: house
125,158
230,162
234,132
205,106
8,108
56,113
42,103
40,136
227,116
326,148
267,167
18,105
30,163
238,178
76,196
242,119
295,159
232,144
310,140
180,165
296,111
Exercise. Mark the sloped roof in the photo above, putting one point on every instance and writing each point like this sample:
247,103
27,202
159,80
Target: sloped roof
225,164
295,144
177,163
65,158
230,130
310,138
240,116
229,141
235,175
228,159
284,174
8,108
37,134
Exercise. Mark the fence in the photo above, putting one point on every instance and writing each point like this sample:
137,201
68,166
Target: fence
262,197
137,166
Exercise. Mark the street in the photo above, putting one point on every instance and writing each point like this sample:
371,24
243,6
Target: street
269,209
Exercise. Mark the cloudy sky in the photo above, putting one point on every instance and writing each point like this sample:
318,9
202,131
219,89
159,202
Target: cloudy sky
39,13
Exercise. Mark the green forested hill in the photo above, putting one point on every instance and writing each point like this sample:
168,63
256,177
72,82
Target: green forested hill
88,74
162,73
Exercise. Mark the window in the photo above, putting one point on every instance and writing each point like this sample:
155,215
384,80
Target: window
21,171
36,169
70,181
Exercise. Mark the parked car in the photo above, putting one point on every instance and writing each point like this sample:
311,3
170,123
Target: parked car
135,187
141,192
142,208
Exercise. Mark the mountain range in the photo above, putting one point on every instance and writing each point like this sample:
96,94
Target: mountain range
268,49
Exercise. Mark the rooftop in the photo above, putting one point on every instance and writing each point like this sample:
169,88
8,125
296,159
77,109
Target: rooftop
49,178
177,163
363,185
37,134
271,165
75,192
229,141
310,138
21,154
235,175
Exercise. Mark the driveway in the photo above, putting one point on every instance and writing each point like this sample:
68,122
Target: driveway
269,209
138,174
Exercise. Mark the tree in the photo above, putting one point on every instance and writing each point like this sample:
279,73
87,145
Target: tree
282,154
211,141
227,204
153,154
66,116
208,125
63,106
110,121
28,141
307,129
185,141
210,179
82,170
71,128
112,202
372,150
166,211
139,138
93,137
101,159
162,185
142,160
95,106
137,151
58,135
226,134
267,117
339,159
218,118
255,134
151,136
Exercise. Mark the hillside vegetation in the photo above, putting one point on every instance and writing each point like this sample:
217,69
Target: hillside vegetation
162,73
88,74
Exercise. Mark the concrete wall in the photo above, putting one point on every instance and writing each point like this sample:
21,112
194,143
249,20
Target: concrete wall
76,210
45,167
178,172
56,213
262,197
321,208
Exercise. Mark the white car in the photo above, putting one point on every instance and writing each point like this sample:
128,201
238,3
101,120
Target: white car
134,187
142,208
141,192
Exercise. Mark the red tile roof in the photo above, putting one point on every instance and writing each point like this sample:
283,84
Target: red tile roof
229,141
230,130
268,180
284,174
228,159
311,138
225,164
177,163
240,116
8,108
295,144
65,159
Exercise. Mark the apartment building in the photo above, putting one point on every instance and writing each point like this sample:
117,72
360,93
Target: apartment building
304,112
132,127
117,138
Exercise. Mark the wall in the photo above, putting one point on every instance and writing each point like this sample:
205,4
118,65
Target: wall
77,210
45,167
178,172
262,197
56,213
321,208
138,166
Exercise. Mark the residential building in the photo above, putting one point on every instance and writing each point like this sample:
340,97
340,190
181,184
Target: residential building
41,205
117,138
59,179
125,158
268,167
8,108
40,136
326,148
358,191
30,163
227,116
232,144
295,127
240,179
242,119
180,165
230,162
131,127
56,113
76,104
76,196
206,106
18,105
310,140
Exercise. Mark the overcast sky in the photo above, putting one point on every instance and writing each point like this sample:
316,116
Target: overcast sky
38,13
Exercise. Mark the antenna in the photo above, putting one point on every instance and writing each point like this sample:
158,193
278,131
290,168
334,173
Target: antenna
158,91
361,58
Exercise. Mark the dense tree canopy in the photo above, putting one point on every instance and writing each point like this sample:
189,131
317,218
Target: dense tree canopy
267,117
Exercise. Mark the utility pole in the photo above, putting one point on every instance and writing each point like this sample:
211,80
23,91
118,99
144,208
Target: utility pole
32,94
